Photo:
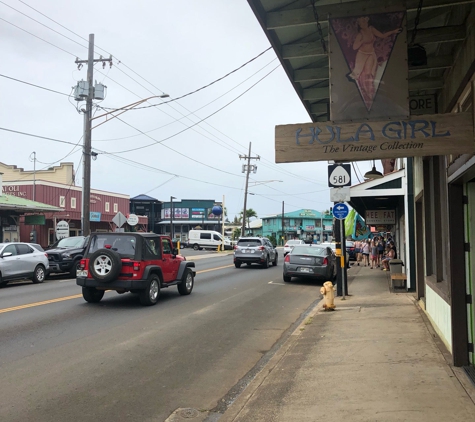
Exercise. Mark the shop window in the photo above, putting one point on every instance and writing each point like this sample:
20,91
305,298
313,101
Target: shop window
62,201
73,202
116,207
107,209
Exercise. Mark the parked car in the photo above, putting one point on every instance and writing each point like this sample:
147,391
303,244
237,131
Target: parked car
64,255
140,263
255,250
22,260
350,248
332,245
290,244
308,261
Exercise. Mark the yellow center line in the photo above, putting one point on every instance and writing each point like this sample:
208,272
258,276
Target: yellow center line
45,302
62,299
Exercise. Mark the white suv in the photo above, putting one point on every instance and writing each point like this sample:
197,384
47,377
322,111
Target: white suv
22,260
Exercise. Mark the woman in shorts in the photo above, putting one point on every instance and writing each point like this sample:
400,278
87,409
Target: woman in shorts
358,252
365,252
374,253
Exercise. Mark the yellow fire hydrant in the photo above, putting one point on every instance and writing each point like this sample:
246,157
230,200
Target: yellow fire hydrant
328,292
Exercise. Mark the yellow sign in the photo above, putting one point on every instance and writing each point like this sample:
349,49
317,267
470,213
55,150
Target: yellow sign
437,134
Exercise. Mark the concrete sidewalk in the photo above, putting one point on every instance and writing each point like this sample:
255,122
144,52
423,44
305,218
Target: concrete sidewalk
374,359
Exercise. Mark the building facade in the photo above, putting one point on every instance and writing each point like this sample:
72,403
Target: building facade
309,225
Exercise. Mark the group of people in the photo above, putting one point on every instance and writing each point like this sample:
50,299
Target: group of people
376,252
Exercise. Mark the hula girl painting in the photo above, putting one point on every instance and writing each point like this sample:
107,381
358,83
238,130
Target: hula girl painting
366,43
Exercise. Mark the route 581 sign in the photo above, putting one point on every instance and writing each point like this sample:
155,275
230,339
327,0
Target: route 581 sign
339,175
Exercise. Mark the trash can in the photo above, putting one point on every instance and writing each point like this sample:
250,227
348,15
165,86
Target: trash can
395,266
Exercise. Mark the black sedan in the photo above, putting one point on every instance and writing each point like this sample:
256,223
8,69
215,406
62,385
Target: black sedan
306,261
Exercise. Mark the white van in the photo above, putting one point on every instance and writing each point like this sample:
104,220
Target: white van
204,239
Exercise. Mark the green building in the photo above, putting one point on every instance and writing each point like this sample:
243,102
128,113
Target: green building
309,225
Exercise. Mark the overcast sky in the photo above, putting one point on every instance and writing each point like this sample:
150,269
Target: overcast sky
159,46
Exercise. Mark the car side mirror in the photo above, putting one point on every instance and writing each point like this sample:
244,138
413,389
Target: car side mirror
4,255
175,251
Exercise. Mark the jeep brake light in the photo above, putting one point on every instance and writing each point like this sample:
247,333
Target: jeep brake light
82,264
136,266
108,246
287,258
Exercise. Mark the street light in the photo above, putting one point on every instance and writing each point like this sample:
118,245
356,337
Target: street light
171,216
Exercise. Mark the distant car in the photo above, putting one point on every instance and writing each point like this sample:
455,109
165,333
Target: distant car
255,250
290,244
350,248
22,260
308,261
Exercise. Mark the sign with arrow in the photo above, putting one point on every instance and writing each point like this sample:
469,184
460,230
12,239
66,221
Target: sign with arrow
340,211
339,175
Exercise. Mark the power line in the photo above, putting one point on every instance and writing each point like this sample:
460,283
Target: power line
197,123
36,86
36,36
40,23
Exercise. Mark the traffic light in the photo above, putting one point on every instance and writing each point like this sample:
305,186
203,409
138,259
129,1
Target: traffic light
33,236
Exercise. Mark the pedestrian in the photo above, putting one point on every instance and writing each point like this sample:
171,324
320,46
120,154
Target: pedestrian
365,252
374,253
389,256
358,252
380,251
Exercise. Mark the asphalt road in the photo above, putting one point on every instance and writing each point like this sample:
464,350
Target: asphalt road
62,359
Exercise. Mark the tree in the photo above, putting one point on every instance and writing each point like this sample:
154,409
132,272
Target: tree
236,233
249,214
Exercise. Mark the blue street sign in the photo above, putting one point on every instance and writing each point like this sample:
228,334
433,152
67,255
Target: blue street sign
340,211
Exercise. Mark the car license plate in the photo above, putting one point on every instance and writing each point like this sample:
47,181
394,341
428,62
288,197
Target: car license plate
249,250
81,273
304,270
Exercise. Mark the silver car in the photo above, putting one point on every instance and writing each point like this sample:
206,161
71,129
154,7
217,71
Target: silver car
255,250
308,261
22,261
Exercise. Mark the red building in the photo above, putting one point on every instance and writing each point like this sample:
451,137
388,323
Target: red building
104,206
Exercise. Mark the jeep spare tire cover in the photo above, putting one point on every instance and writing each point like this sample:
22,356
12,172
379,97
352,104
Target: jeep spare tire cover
105,265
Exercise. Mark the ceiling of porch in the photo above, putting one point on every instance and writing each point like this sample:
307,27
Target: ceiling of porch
291,28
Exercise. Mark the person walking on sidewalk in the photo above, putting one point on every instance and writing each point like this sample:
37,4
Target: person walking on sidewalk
374,253
358,252
365,252
380,251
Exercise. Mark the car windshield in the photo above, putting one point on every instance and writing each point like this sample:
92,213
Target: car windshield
328,245
124,245
71,242
249,242
308,250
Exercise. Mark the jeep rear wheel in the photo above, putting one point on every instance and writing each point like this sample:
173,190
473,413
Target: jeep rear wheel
187,283
149,296
92,295
105,265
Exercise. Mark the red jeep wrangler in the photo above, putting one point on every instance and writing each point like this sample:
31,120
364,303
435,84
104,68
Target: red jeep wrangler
140,263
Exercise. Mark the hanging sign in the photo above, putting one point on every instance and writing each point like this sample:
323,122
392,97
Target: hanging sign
436,134
62,229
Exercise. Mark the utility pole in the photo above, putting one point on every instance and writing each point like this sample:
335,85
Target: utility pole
86,188
282,237
247,168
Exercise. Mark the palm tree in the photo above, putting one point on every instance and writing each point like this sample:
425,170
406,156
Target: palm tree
249,214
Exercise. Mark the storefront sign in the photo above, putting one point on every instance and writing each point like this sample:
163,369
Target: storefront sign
94,216
14,191
438,134
197,213
368,65
307,213
376,217
422,104
309,228
35,220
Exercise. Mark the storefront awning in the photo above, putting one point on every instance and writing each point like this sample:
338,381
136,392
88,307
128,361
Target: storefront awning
14,203
379,194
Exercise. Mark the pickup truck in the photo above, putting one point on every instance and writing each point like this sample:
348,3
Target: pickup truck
65,254
141,263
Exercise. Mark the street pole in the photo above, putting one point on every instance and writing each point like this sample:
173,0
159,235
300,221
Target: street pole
222,223
339,269
171,216
321,227
86,206
34,176
248,170
86,188
343,260
282,237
